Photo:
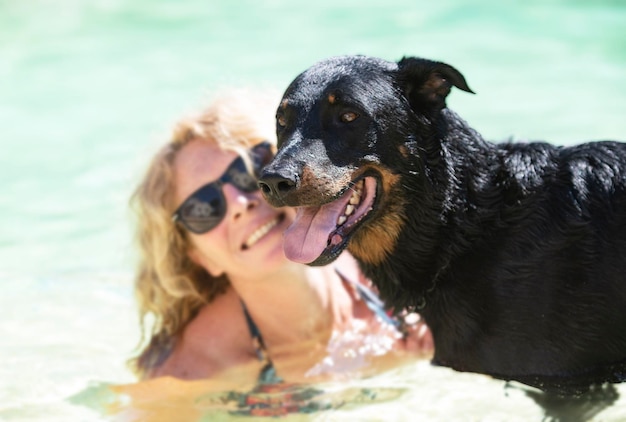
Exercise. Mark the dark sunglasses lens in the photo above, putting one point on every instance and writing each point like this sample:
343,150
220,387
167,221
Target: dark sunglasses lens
204,210
261,155
239,176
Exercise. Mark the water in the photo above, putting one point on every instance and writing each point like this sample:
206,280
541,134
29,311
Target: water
89,88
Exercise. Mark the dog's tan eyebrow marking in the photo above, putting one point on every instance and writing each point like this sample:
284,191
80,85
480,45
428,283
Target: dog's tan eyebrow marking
283,103
404,151
332,98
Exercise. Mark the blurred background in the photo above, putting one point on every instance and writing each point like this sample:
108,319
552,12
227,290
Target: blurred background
89,89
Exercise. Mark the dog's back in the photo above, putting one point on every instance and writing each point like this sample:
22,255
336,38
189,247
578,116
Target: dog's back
543,270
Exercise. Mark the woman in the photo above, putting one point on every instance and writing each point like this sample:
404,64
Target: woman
213,275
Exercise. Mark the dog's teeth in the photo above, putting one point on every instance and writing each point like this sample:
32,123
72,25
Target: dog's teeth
355,200
356,194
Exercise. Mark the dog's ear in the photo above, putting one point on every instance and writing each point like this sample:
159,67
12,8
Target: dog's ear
427,83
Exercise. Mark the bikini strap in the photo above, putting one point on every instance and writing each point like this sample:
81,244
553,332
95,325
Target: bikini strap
268,372
257,339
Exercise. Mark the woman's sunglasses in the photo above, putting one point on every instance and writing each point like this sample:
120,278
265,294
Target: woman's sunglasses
204,209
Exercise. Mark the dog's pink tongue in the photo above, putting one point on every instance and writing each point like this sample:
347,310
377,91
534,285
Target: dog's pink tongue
307,237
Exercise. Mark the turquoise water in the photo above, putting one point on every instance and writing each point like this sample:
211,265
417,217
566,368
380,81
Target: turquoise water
88,88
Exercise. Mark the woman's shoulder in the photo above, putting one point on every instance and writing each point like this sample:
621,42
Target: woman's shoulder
216,339
348,267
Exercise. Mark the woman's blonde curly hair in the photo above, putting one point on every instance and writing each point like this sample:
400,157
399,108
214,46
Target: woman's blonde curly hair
169,286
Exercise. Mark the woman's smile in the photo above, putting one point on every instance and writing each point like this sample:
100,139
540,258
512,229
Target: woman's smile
262,231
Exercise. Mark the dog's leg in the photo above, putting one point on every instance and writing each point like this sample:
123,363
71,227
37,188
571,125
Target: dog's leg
575,408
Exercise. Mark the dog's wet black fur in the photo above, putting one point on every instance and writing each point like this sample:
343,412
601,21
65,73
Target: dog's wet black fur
513,253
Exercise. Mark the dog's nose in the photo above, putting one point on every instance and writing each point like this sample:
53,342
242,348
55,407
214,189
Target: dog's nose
275,186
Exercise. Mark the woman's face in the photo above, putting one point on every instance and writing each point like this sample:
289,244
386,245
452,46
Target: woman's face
249,238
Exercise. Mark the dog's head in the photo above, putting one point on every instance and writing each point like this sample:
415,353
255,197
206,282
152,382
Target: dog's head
348,130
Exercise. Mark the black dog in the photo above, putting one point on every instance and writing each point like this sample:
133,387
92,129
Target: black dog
515,254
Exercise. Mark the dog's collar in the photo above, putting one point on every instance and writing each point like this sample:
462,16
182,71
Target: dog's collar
421,302
421,299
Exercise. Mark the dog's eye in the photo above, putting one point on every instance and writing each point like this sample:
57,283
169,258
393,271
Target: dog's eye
282,122
348,116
